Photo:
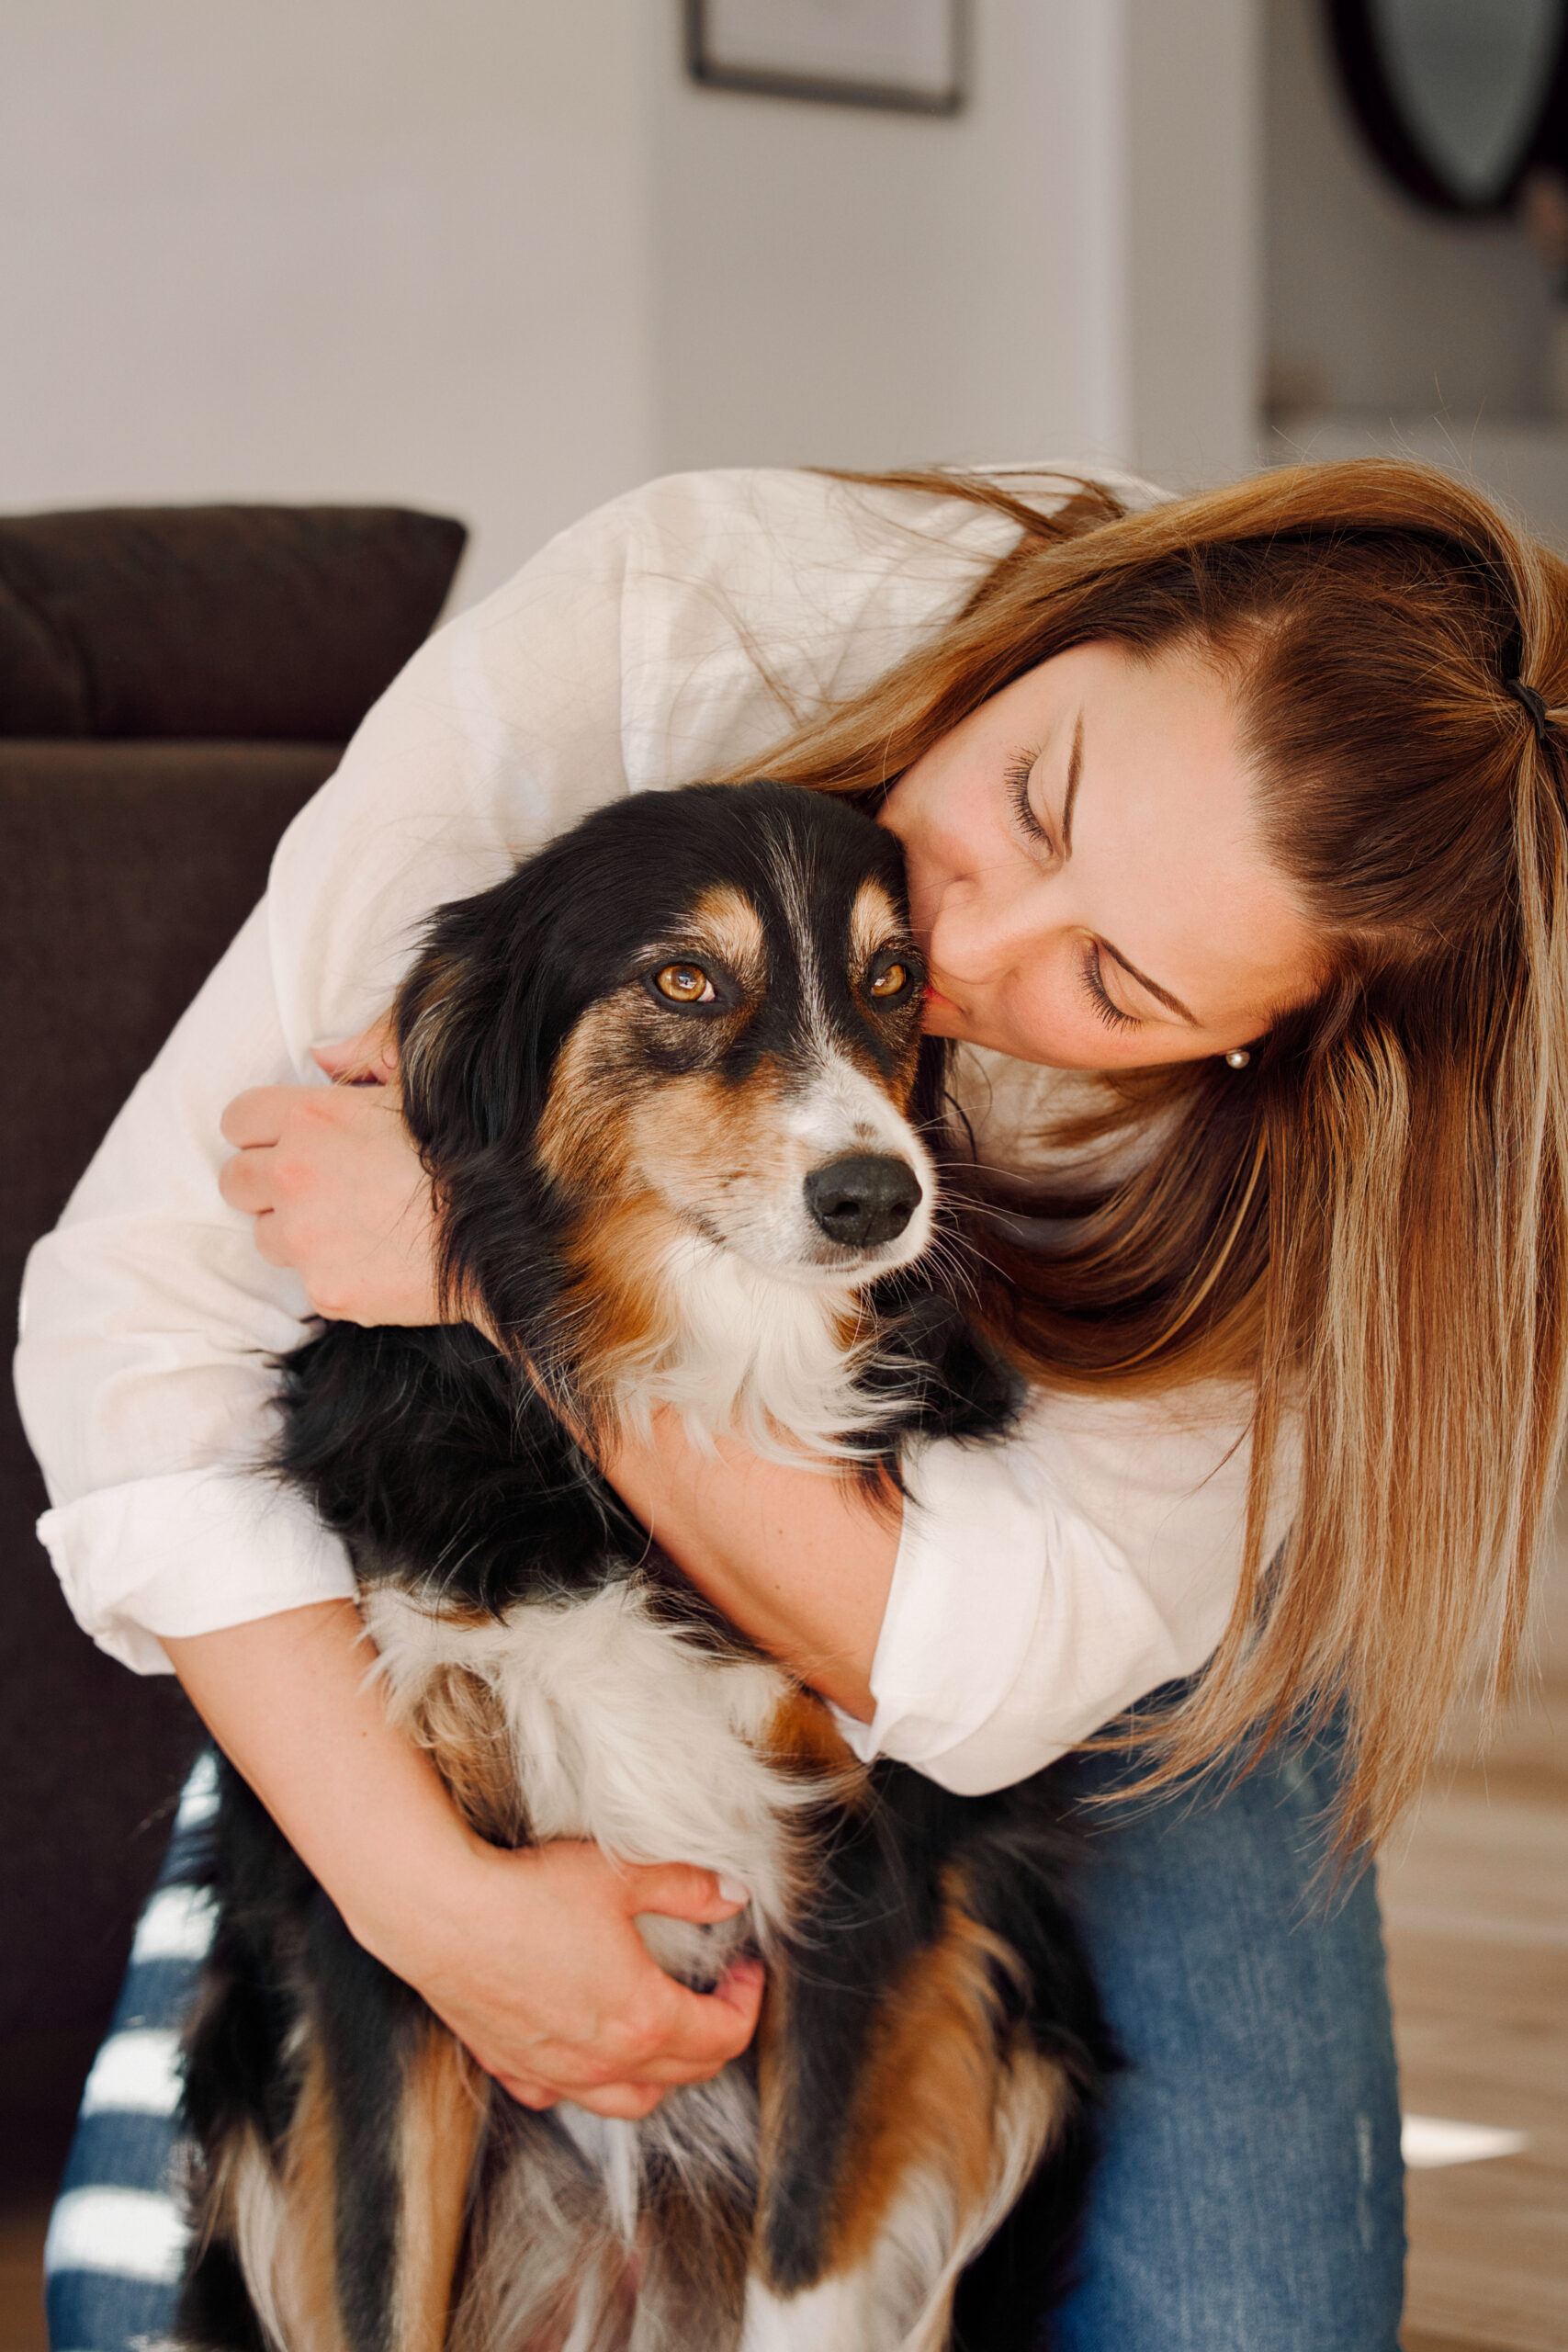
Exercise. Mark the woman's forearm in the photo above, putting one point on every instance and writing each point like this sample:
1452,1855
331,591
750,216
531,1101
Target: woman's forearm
802,1560
290,1701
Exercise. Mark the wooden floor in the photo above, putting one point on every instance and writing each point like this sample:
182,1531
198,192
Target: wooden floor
1476,1906
1476,1902
21,2253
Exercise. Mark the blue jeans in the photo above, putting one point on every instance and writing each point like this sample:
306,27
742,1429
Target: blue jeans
1249,2198
1250,2195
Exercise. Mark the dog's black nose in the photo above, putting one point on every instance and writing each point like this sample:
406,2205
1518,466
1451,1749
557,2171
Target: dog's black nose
867,1198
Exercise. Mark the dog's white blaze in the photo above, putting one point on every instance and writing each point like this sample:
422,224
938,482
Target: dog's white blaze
841,1111
758,1346
831,1110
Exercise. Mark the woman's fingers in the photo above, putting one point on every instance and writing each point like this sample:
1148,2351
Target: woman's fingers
681,1891
629,2102
331,1176
552,1988
256,1119
680,2036
685,2038
369,1060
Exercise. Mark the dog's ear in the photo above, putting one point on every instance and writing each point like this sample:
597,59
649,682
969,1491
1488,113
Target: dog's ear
472,1034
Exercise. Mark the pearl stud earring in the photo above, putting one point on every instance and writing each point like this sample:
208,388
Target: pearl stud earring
1238,1057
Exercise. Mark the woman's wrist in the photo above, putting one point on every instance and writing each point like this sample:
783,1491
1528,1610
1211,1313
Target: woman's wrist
407,1886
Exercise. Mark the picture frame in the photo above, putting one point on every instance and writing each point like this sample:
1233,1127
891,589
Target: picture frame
909,56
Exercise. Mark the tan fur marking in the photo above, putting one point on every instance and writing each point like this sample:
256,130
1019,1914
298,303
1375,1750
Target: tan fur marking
600,1072
459,1719
929,2093
804,1738
306,2284
694,1139
874,923
443,2114
897,1084
682,1144
724,920
581,1133
617,1308
623,1313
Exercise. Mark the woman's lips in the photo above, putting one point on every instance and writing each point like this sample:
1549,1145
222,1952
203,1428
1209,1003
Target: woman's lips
935,996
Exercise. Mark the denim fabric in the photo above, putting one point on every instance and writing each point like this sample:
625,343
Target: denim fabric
1249,2198
1250,2193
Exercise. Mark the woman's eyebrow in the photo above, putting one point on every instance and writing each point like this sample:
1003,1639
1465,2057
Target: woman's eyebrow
1160,996
1075,769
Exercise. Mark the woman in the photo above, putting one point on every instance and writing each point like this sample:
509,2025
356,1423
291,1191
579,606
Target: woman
1251,806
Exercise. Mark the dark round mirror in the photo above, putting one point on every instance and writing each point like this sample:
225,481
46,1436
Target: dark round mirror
1460,98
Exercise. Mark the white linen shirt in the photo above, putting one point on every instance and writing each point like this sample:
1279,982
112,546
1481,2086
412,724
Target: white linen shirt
1042,1583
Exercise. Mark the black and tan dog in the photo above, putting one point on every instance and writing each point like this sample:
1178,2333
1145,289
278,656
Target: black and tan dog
670,1083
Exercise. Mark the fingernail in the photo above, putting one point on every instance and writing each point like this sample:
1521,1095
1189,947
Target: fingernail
731,1891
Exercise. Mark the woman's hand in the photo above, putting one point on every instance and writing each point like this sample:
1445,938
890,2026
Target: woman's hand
532,1960
530,1957
334,1184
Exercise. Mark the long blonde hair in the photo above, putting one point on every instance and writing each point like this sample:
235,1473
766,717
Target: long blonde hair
1371,1226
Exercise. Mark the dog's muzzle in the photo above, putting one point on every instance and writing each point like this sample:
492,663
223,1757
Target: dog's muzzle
864,1199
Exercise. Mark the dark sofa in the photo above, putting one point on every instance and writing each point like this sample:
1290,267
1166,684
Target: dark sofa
173,685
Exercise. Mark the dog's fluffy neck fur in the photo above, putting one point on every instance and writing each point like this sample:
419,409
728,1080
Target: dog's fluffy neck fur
739,1351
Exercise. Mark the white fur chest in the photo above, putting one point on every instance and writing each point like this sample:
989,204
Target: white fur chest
775,1362
622,1729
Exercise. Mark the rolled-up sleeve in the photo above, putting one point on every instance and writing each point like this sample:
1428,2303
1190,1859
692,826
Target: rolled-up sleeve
1044,1584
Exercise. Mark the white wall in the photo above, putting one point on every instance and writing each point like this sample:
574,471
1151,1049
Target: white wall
852,288
503,259
323,249
1067,266
1195,293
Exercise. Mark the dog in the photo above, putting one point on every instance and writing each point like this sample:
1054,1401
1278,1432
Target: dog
668,1082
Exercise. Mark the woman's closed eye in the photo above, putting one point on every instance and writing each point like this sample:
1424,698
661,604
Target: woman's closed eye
1019,774
1091,981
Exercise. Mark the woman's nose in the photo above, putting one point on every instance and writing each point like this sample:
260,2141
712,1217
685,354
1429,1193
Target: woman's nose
984,926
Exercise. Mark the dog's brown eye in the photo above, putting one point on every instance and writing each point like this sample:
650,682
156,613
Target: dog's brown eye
685,984
891,980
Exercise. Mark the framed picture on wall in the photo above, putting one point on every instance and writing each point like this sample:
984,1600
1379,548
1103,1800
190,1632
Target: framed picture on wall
904,53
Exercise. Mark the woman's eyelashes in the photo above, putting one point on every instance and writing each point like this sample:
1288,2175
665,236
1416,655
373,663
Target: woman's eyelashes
1019,775
1093,986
